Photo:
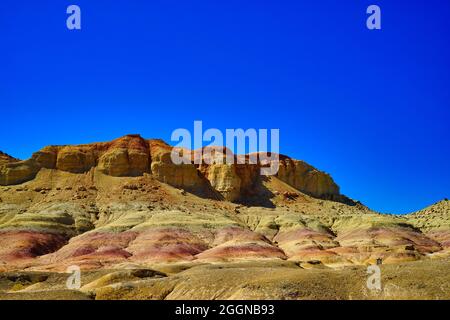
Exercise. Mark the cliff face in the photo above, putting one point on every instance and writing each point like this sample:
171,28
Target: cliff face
13,171
132,156
307,179
6,158
127,156
17,172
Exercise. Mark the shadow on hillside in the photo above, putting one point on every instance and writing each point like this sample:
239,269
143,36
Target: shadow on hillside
258,196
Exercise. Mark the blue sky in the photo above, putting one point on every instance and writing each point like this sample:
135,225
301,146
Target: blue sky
369,107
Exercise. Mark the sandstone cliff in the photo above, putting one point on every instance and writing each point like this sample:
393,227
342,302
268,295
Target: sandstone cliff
6,158
132,156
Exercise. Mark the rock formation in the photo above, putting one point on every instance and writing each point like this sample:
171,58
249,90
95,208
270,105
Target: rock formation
6,158
125,202
132,156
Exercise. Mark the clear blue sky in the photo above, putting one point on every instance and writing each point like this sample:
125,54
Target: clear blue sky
369,107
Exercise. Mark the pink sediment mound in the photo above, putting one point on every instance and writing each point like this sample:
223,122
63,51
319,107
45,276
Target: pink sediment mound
22,245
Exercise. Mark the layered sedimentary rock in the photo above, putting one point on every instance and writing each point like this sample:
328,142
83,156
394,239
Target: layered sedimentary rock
6,158
225,180
232,181
125,203
23,245
132,155
184,176
17,172
127,156
307,179
434,222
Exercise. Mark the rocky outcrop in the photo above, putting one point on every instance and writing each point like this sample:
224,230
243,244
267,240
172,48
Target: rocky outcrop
6,158
47,157
17,172
14,171
75,159
233,181
307,179
132,156
225,180
128,156
184,176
